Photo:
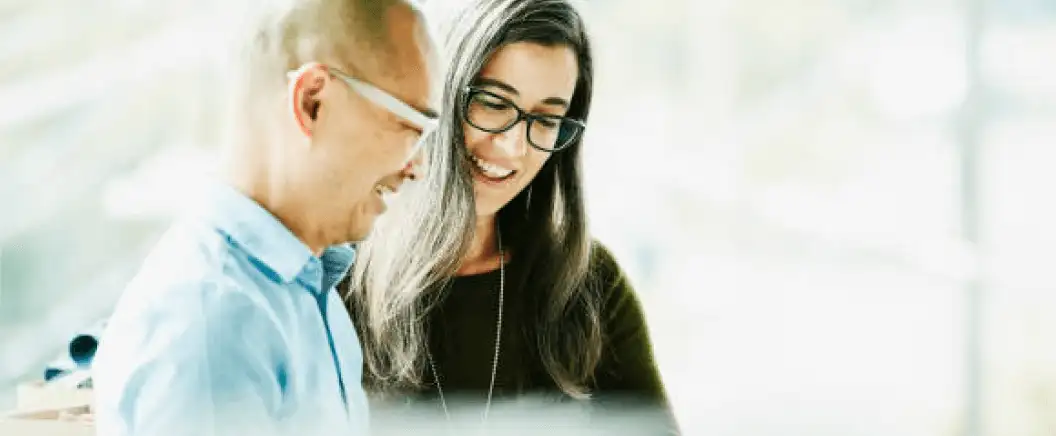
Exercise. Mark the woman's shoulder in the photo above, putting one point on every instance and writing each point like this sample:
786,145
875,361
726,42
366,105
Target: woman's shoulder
620,306
606,273
601,256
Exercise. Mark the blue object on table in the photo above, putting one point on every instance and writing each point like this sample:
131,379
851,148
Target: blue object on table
78,356
51,373
82,349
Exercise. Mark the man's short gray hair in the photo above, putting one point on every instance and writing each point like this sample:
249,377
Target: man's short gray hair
280,35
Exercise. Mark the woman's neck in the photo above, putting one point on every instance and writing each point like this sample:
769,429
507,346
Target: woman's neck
483,254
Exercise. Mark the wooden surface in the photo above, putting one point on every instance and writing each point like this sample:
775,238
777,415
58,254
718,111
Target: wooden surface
49,411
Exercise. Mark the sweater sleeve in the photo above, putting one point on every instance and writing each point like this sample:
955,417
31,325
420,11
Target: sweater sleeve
627,377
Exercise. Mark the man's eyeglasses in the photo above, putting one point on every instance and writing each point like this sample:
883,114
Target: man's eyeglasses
427,123
494,113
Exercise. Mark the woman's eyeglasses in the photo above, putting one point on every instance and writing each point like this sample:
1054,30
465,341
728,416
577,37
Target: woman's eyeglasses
494,113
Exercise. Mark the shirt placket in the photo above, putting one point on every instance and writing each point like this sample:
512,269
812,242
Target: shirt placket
315,274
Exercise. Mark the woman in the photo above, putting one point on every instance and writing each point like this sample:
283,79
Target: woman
511,296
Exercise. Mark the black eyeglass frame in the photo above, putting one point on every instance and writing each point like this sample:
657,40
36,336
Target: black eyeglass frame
522,115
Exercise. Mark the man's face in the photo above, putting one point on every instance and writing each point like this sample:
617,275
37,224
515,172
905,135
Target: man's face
361,150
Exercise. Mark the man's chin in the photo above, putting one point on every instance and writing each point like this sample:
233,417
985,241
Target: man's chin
362,230
357,237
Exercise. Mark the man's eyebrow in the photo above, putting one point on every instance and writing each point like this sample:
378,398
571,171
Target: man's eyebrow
431,113
427,112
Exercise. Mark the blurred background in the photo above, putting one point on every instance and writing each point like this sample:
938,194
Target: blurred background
835,211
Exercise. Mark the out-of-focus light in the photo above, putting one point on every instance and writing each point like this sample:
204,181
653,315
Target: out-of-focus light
162,186
918,69
1020,62
177,48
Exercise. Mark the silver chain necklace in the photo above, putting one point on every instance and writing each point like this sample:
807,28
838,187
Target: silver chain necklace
498,340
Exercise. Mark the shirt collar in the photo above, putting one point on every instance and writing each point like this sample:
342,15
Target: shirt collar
264,237
336,261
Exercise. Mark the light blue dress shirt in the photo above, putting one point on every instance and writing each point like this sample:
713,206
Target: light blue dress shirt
231,327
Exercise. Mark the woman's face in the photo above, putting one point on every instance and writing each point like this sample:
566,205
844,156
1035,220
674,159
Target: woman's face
537,79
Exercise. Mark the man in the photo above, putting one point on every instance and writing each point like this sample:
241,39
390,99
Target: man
232,326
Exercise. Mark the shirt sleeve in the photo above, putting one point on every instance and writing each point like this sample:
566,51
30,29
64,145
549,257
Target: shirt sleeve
190,364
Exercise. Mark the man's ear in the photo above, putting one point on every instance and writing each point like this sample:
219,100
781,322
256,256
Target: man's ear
306,86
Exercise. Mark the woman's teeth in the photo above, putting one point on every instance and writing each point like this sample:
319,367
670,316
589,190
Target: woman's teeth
490,169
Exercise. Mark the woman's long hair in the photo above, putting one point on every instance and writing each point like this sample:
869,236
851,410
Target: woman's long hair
418,246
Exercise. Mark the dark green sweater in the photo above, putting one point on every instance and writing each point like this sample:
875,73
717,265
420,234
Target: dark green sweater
462,342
